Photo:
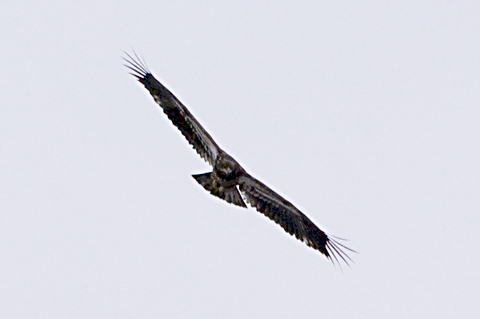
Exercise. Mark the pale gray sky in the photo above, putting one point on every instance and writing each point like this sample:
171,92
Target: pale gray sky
365,116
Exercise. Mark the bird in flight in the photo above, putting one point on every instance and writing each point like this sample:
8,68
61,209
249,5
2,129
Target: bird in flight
228,180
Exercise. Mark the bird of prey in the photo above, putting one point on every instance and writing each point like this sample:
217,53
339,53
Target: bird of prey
228,180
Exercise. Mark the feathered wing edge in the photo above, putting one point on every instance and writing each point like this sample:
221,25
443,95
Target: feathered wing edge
294,222
191,129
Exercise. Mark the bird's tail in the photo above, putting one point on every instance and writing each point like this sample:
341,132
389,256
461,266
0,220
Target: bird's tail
229,194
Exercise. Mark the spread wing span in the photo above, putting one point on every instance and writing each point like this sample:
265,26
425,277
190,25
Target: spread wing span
228,178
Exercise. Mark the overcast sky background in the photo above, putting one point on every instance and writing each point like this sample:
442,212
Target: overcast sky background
365,116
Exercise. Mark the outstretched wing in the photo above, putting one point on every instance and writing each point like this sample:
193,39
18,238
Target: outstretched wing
281,211
195,134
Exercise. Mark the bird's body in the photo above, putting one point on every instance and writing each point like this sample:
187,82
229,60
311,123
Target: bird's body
228,179
224,179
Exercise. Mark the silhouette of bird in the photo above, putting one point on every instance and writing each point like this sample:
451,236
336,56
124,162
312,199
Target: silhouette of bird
228,180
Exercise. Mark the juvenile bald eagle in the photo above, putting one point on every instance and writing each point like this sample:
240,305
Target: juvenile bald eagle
228,177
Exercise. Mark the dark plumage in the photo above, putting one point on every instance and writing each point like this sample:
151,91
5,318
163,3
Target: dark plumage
228,178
